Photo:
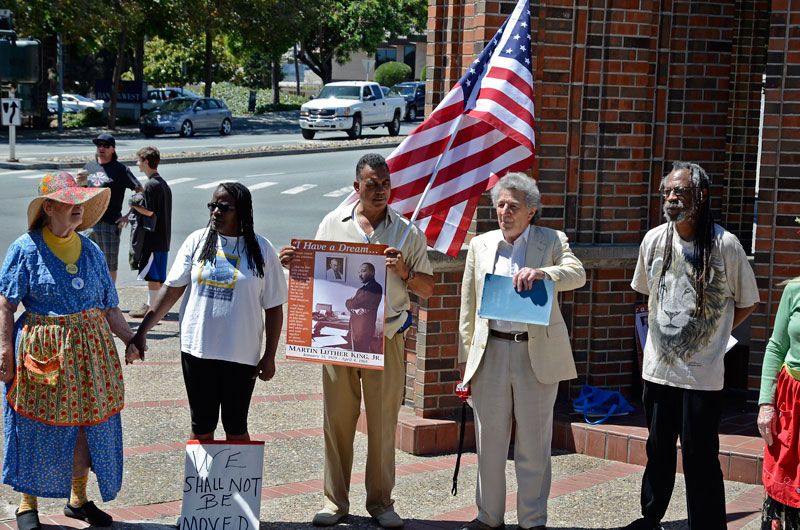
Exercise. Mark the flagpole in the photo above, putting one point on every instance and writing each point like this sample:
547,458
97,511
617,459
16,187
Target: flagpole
430,181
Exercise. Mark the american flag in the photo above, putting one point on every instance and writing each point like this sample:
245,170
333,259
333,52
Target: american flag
490,114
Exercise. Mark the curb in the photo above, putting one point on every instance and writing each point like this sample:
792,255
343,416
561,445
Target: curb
200,157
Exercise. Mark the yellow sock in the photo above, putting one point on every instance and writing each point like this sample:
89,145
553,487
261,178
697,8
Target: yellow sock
77,496
28,502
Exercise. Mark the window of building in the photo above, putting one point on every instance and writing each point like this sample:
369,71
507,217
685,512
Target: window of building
410,58
385,55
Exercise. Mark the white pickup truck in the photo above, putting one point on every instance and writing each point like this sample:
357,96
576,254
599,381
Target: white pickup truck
350,106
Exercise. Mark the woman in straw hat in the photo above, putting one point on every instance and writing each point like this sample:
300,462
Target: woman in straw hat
61,370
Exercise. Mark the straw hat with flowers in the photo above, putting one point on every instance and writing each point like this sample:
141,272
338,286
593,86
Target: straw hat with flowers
63,188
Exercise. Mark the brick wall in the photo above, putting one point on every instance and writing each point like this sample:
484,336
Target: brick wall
777,255
623,88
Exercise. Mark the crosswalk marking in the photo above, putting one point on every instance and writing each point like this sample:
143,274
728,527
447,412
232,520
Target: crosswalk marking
299,189
38,175
263,175
340,192
180,181
209,185
253,187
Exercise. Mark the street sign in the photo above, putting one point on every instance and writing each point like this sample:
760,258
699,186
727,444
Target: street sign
11,109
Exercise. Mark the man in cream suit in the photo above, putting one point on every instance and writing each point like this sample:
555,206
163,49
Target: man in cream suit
510,367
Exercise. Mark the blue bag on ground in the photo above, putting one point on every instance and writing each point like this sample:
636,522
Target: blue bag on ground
598,402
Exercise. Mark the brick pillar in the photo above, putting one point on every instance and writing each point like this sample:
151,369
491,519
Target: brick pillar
777,255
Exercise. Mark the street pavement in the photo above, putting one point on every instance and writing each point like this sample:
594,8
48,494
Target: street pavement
287,414
278,130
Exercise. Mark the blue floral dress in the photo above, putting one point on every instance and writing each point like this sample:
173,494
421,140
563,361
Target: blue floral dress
67,370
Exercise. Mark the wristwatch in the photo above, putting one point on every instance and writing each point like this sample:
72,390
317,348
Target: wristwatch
411,275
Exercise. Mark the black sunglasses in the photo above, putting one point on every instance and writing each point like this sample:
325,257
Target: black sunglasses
221,206
103,144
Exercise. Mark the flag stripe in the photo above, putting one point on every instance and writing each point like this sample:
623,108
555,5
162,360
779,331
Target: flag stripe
512,77
513,115
454,156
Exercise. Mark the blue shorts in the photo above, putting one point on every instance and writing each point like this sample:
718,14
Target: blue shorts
155,270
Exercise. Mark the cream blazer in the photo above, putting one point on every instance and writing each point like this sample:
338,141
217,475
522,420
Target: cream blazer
548,346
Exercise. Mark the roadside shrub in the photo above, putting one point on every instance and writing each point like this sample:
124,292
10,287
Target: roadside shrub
237,97
423,75
87,118
391,73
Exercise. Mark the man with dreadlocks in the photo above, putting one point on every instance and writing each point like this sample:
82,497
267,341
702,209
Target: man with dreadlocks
370,220
230,275
700,287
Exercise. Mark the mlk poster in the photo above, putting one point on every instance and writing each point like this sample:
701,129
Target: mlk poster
222,485
337,294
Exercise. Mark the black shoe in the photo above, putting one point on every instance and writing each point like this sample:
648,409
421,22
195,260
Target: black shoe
643,524
89,513
28,520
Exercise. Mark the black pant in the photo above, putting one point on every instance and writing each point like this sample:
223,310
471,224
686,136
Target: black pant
694,415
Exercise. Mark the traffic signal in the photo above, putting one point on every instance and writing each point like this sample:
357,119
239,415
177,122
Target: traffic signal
20,59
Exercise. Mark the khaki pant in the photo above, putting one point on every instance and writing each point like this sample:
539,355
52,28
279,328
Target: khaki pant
504,385
383,394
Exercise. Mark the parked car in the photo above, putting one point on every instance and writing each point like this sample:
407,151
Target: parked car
414,94
185,116
349,106
69,107
157,96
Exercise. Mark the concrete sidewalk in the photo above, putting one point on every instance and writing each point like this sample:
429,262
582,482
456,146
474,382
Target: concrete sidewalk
286,413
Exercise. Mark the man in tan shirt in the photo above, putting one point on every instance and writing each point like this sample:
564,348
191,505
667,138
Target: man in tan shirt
370,220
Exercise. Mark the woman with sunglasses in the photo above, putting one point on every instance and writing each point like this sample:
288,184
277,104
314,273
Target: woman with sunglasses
229,275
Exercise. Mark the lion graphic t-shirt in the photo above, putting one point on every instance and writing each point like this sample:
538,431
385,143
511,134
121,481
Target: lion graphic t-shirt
682,349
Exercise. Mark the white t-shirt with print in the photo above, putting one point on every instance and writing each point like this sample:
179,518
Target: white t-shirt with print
683,350
222,315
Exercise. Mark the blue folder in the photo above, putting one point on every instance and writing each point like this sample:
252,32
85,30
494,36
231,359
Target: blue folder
501,301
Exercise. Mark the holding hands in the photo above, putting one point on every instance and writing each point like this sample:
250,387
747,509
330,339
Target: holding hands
132,353
136,348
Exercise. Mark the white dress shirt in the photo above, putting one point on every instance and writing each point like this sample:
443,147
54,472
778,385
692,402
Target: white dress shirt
508,261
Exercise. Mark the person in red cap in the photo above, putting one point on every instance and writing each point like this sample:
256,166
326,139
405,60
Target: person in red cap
58,362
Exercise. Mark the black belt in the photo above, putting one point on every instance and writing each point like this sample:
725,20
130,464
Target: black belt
516,337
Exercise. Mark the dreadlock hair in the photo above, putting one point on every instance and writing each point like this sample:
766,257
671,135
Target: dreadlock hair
703,235
244,213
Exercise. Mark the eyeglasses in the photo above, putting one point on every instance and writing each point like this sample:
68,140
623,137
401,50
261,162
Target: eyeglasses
680,191
221,206
103,144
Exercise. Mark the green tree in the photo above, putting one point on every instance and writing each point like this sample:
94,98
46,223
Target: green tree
163,61
210,18
333,29
266,29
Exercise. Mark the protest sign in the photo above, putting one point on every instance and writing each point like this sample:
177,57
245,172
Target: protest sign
222,485
336,303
